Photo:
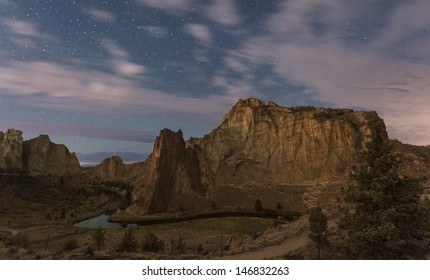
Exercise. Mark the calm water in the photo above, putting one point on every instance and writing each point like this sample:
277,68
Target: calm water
102,220
96,222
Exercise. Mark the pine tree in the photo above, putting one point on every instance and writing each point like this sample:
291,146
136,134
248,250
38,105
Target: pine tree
385,220
129,242
318,228
99,238
258,205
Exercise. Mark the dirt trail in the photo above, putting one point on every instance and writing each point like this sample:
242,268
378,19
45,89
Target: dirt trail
283,248
13,232
273,251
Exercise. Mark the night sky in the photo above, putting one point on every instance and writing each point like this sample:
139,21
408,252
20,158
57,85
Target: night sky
103,77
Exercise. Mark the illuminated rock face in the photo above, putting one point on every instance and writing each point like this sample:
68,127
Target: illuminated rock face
258,150
38,156
42,157
11,151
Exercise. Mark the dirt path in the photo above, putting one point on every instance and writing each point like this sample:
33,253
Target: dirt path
273,251
13,232
286,246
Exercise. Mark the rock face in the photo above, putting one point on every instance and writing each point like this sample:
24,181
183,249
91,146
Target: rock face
38,156
259,151
11,151
113,169
268,144
172,173
41,156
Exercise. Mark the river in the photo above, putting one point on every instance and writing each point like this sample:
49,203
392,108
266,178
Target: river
102,220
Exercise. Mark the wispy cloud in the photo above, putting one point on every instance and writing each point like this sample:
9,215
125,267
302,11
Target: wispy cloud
155,31
6,3
120,59
24,34
101,16
20,27
114,49
200,32
408,18
57,86
223,12
110,133
165,4
343,75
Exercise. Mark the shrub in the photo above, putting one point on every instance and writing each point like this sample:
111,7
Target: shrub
258,205
70,244
152,243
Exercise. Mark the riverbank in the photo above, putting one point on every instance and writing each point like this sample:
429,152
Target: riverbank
125,218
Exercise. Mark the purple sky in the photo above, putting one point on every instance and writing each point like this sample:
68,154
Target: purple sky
105,76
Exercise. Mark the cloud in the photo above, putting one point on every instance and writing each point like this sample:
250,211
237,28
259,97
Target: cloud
408,18
21,27
223,12
199,31
127,68
6,3
165,4
120,62
114,49
53,85
117,133
345,75
24,34
101,16
155,31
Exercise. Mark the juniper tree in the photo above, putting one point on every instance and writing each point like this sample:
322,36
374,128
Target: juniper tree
317,228
99,237
385,219
129,242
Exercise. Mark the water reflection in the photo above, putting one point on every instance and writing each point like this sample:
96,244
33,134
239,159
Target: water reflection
102,220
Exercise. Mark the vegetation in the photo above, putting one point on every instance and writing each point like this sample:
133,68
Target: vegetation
166,219
178,246
99,238
386,220
258,205
318,228
70,244
152,243
129,242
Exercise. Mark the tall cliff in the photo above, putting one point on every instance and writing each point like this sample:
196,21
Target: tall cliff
38,156
11,150
259,151
171,175
41,156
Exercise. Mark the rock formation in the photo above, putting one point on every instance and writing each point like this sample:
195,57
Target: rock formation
38,156
114,169
259,151
41,156
172,173
11,151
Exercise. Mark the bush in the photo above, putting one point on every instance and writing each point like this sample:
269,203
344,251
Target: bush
129,242
70,244
152,243
258,205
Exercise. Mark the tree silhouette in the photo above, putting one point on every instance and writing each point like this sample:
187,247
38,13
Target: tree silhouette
258,206
99,238
318,228
385,220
